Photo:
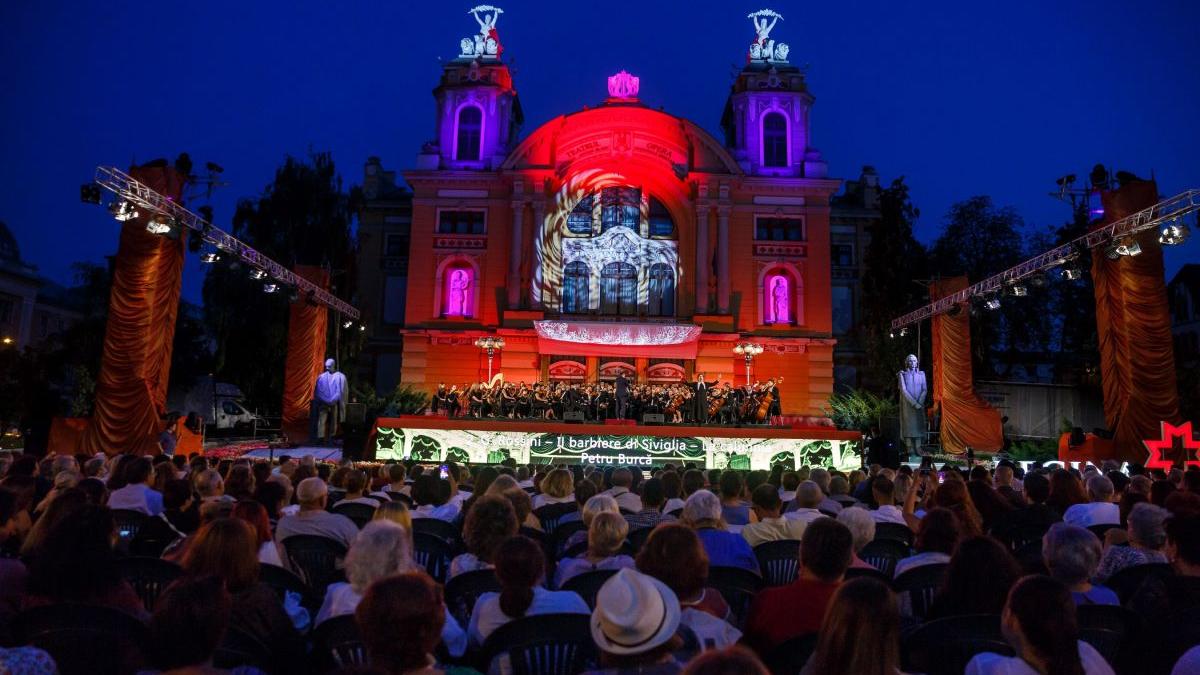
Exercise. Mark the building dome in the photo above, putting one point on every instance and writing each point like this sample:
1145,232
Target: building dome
9,251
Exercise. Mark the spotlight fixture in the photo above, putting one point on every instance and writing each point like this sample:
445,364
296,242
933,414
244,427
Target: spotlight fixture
892,334
270,288
1129,247
347,323
257,274
159,224
1018,290
992,303
7,340
209,257
122,210
1175,233
362,328
1072,273
904,331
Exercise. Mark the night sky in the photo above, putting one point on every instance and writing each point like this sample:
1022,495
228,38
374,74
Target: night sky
960,98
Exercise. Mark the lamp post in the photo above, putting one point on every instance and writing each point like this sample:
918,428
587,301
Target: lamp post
748,350
490,343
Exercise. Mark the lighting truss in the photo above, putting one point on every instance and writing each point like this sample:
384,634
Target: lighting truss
126,187
1153,217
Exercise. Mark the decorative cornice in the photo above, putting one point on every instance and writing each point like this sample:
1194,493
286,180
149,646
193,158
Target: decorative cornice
471,242
776,249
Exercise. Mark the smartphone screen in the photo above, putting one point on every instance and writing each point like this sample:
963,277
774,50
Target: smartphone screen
444,472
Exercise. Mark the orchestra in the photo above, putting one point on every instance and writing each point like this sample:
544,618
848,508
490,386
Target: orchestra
678,402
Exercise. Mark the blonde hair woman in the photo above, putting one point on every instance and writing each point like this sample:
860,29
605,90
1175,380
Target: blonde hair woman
396,512
558,487
605,535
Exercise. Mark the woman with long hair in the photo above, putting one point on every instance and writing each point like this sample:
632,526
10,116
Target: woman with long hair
862,612
673,555
1065,491
255,515
980,574
490,521
1039,622
952,494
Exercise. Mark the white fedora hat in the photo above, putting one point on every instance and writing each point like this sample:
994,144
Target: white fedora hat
634,613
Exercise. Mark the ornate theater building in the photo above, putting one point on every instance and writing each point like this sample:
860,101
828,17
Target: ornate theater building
615,238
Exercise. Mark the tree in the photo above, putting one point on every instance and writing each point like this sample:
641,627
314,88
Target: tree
894,260
302,218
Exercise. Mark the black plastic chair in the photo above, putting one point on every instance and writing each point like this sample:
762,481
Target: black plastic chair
638,537
1100,530
916,588
401,497
563,532
547,644
149,577
588,584
1180,632
1018,537
239,648
84,639
314,559
894,532
883,554
1030,558
381,499
337,644
1126,582
283,580
779,561
128,523
738,586
790,656
549,515
361,514
945,646
1108,628
439,528
869,573
463,590
433,553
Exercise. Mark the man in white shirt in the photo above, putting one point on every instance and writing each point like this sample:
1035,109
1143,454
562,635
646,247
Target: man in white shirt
136,495
330,397
396,474
770,526
622,480
431,502
808,496
356,486
788,484
313,494
1100,510
884,492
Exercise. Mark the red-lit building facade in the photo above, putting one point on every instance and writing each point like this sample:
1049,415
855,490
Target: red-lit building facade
614,238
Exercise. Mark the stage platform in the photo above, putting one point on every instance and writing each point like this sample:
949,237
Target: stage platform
433,438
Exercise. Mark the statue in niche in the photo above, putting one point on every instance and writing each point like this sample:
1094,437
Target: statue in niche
487,41
778,299
763,48
459,295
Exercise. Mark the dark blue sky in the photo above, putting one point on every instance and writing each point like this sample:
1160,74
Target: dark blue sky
960,97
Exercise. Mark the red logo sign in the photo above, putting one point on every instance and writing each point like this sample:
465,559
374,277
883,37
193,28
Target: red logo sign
1176,445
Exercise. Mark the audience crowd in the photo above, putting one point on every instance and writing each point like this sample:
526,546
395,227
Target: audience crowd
192,565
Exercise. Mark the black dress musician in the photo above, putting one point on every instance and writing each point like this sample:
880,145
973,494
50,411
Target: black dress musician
700,401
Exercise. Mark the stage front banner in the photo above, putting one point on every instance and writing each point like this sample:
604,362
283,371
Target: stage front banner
477,446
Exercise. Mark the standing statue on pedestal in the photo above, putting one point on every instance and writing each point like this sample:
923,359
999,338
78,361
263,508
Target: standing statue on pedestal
913,392
330,401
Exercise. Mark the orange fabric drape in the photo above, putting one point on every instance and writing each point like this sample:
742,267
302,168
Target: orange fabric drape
1137,361
135,369
307,328
967,420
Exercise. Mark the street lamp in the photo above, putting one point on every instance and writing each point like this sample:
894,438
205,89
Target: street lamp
491,343
748,350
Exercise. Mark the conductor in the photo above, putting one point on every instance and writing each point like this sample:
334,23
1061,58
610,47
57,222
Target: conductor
622,387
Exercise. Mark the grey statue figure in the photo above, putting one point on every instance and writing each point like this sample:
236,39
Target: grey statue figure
913,395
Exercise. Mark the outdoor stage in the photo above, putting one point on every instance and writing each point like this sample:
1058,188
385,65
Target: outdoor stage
478,441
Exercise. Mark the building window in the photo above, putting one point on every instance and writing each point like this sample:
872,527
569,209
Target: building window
618,289
662,290
575,288
395,245
458,287
579,221
843,309
772,228
461,222
470,129
775,142
395,292
777,299
620,207
843,254
661,224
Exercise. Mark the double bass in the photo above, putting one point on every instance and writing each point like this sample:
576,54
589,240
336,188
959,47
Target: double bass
764,404
718,401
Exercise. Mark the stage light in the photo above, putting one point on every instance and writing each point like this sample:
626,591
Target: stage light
210,257
1129,248
992,303
1175,233
892,334
347,323
1018,290
270,288
362,327
1072,273
159,224
89,193
122,210
7,340
257,274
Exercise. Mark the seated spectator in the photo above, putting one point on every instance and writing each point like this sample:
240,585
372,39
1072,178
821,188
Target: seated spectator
1145,532
136,494
1161,597
490,521
702,513
634,626
823,479
673,489
651,514
400,621
936,539
839,490
952,494
558,487
1039,623
991,506
782,613
584,491
771,525
210,486
981,573
861,524
313,519
804,506
1072,555
382,549
861,612
788,482
431,496
396,512
187,626
1099,510
12,571
622,483
1035,515
734,510
1006,486
356,490
729,661
256,516
673,555
240,482
520,568
23,540
1065,491
396,473
605,535
75,562
507,487
598,504
274,494
883,490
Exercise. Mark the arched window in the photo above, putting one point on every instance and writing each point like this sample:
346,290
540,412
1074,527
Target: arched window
458,287
661,224
774,137
575,288
620,207
618,289
579,220
777,299
470,128
662,290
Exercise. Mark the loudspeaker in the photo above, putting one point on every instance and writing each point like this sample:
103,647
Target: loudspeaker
354,433
573,416
653,418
